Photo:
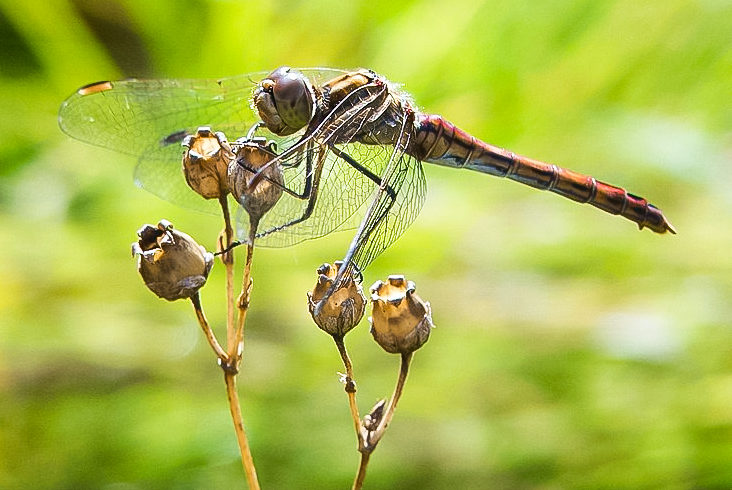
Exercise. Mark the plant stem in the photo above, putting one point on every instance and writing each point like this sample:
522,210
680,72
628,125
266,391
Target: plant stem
373,437
350,389
227,259
242,302
234,338
210,336
241,435
398,389
361,475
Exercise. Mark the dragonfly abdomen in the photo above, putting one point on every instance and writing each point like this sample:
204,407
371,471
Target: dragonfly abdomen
441,142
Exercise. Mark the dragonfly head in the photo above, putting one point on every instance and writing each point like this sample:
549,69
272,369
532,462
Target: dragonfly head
285,101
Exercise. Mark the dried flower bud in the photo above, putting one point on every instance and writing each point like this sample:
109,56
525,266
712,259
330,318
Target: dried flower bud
373,419
170,262
206,163
400,320
343,309
256,197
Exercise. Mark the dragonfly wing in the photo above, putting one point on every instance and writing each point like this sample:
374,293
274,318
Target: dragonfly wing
149,119
395,206
131,116
338,187
160,171
400,193
343,193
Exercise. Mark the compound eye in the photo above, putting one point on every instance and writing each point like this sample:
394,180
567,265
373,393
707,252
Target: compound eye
293,97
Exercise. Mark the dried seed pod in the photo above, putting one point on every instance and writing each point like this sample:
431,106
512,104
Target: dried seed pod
254,179
170,262
343,309
400,320
206,163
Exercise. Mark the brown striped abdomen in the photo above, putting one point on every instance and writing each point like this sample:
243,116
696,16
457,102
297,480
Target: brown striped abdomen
441,142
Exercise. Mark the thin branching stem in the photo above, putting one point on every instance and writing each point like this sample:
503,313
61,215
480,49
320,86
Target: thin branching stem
242,302
373,437
350,386
234,335
227,258
235,353
241,435
398,389
207,332
361,474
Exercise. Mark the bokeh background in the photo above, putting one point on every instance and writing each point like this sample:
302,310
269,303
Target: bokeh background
572,351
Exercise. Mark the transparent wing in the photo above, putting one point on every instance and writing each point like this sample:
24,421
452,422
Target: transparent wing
135,116
395,205
330,170
389,217
160,171
132,116
379,186
343,194
149,118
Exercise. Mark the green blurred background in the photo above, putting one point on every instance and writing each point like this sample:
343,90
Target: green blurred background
572,351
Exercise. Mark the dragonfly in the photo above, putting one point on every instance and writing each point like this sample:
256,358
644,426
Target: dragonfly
349,146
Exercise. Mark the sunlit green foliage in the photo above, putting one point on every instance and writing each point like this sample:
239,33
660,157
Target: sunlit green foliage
572,351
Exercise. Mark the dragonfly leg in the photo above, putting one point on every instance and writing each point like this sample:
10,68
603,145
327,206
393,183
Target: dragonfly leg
313,180
310,192
259,174
367,243
253,130
368,173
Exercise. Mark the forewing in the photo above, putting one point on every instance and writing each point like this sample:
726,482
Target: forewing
395,205
343,175
150,118
133,116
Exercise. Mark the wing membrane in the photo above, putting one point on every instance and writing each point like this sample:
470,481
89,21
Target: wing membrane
149,118
341,203
132,116
395,205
